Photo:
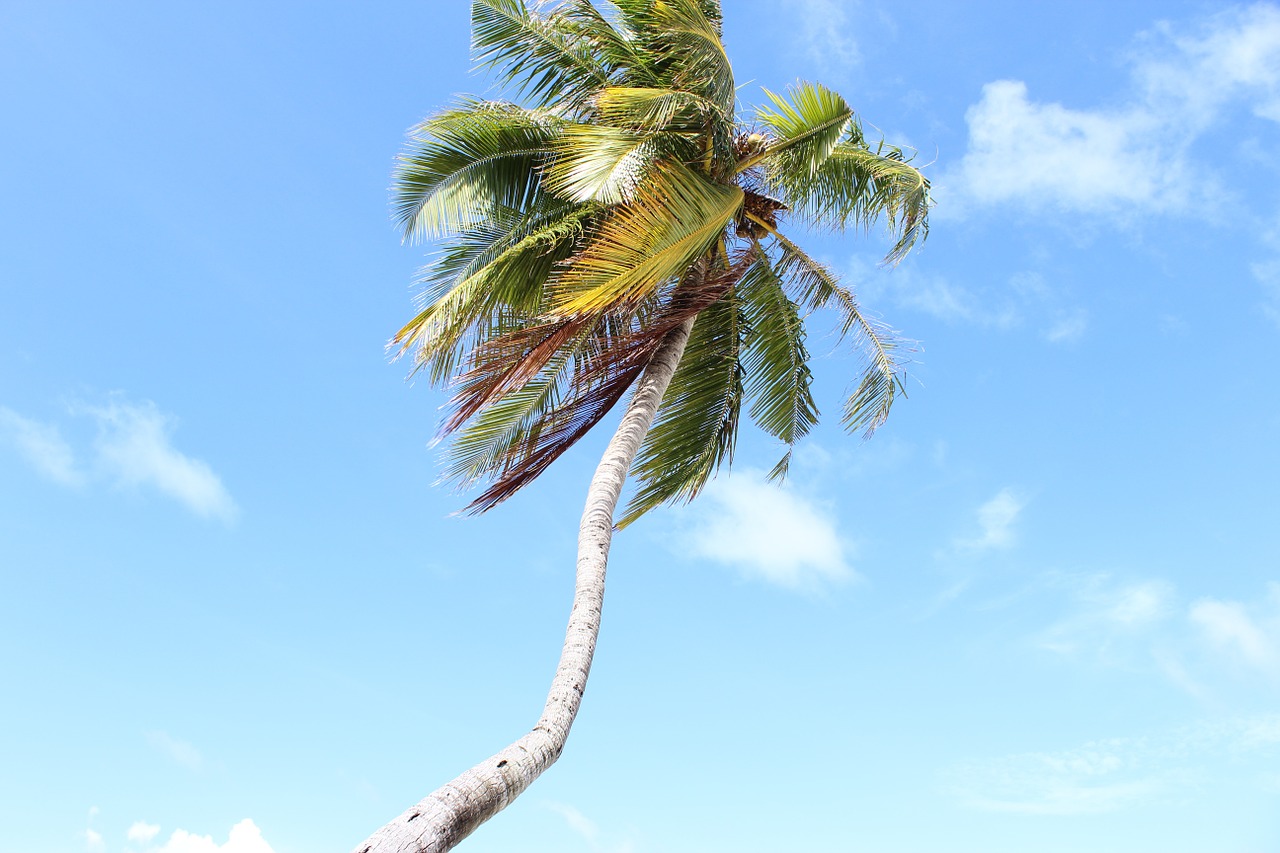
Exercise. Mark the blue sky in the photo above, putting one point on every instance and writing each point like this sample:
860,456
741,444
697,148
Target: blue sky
1040,610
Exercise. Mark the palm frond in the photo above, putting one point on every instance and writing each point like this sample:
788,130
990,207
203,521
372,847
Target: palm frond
463,165
774,359
613,42
651,109
492,441
488,279
683,37
856,186
596,386
539,54
595,162
817,287
805,128
696,424
507,363
675,218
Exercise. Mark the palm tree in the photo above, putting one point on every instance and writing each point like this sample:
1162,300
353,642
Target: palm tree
621,229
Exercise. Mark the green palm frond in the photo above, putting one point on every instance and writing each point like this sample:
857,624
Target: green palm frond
651,109
775,360
594,162
466,164
817,287
626,202
805,129
857,186
487,278
613,43
675,218
697,423
539,54
683,37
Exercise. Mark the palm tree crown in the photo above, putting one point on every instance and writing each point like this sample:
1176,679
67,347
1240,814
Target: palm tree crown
623,198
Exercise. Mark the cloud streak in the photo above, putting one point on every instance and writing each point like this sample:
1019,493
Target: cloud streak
1114,774
42,446
134,446
586,828
133,449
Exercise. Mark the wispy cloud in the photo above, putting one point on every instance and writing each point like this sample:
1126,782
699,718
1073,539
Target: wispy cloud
134,445
767,532
825,36
1068,327
1267,274
587,829
42,445
1205,647
1249,634
1124,159
996,518
1114,774
133,448
1106,616
178,750
1025,299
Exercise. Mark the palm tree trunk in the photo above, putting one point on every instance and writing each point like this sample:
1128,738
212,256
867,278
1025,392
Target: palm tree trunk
452,812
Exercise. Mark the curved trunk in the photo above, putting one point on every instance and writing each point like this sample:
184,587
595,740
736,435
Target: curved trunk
450,813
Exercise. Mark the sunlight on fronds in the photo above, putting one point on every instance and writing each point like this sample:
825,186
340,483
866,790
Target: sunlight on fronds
805,129
624,201
463,165
676,217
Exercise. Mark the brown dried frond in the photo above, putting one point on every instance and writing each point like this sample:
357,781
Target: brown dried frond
760,206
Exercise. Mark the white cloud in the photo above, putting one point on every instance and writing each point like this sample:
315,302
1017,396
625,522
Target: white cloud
768,532
142,832
245,837
996,518
93,841
1107,618
179,750
825,36
1110,775
133,445
1049,155
1130,158
1231,627
133,448
42,445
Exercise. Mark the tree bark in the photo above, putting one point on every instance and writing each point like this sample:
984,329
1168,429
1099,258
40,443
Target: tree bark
452,812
